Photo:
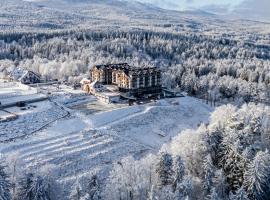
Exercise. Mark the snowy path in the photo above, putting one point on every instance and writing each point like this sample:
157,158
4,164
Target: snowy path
155,125
142,111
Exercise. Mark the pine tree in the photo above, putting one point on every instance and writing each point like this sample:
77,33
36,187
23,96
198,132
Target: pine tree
179,172
34,188
184,189
232,162
214,195
153,195
24,186
239,195
76,192
94,188
209,173
165,170
220,184
214,140
4,185
257,176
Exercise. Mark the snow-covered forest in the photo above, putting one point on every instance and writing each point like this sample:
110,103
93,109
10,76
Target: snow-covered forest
225,159
213,67
104,155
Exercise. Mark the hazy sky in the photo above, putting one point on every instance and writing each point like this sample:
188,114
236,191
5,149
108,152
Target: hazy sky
249,9
253,9
187,4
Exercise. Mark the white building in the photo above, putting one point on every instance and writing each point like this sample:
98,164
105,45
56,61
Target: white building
104,93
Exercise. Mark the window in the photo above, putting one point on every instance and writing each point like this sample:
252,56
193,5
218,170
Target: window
153,80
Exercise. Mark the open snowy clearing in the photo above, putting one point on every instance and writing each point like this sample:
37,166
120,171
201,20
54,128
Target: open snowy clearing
13,89
95,106
79,144
30,122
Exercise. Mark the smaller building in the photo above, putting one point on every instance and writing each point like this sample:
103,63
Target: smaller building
25,76
30,77
105,93
85,85
108,97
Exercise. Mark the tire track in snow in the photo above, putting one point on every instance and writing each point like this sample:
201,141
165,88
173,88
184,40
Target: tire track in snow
58,146
58,156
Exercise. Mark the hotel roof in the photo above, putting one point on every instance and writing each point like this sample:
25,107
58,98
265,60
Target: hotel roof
128,70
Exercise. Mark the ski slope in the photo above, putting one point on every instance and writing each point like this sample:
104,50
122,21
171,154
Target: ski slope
79,145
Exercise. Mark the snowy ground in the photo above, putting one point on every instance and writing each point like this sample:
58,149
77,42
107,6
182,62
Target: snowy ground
30,122
12,92
76,142
13,89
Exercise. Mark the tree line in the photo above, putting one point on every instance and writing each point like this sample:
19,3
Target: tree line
214,67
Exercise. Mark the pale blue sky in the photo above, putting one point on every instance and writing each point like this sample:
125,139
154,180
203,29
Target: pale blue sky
252,9
189,4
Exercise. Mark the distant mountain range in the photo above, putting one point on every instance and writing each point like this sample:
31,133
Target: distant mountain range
30,15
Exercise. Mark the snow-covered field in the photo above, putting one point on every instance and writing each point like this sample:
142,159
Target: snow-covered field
76,144
30,122
12,92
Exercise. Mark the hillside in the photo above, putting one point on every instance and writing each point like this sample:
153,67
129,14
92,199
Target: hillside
78,145
212,143
26,15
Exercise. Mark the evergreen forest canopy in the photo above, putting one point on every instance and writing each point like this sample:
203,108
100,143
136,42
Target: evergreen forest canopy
219,67
208,57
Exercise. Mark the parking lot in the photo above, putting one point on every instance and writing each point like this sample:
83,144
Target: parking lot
96,106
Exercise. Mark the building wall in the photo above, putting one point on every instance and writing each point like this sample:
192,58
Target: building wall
98,75
146,80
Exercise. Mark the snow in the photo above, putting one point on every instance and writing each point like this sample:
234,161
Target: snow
12,89
158,123
25,98
30,108
18,73
13,92
77,144
94,106
106,118
30,123
6,115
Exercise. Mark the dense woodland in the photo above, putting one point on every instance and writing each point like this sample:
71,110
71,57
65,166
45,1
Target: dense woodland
211,67
204,55
225,159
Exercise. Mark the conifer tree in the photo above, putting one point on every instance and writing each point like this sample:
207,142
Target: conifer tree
94,188
257,176
209,173
220,183
214,195
4,185
240,194
179,172
164,170
76,192
34,188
